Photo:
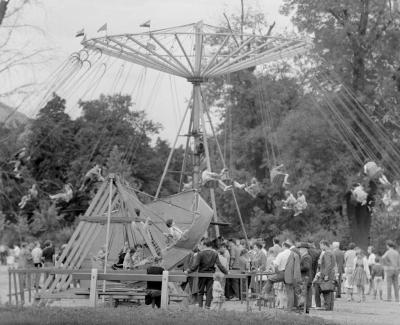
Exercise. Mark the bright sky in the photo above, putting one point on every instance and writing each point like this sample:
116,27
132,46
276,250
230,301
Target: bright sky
63,18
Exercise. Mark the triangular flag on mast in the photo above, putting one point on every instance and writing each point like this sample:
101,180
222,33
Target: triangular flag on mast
80,33
102,28
146,24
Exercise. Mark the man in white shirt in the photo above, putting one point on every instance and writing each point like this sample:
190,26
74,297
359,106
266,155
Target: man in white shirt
37,254
280,265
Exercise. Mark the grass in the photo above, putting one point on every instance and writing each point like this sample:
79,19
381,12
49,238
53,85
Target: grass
145,315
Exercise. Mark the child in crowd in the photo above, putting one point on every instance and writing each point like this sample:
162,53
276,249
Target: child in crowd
217,291
377,274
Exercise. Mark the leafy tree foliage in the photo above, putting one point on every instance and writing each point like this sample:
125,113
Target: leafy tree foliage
62,150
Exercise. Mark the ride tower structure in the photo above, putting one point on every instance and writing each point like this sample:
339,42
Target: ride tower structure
197,52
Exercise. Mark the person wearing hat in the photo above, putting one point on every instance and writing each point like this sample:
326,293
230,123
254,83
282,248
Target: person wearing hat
174,233
306,274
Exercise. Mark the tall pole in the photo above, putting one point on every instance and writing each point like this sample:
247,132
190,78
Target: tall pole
196,81
111,180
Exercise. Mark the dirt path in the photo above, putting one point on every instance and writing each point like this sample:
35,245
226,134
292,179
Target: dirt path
369,312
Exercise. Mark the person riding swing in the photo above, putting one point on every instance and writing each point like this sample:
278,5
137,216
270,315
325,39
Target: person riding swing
278,176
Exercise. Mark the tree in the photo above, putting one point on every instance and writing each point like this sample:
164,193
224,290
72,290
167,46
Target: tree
52,145
357,42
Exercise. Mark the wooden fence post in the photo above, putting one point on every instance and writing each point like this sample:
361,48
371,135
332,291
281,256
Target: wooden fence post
93,288
9,286
21,282
164,290
15,287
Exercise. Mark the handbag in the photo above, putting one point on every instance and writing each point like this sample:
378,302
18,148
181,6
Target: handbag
327,286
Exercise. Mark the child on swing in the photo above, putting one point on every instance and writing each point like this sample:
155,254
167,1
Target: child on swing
19,160
278,176
373,171
65,196
254,188
289,202
32,194
301,203
213,180
391,198
93,175
359,194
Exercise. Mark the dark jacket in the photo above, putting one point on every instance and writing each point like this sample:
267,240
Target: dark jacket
48,253
306,267
314,253
205,262
339,257
327,267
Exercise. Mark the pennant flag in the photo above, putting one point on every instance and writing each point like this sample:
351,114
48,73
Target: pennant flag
102,28
146,24
80,33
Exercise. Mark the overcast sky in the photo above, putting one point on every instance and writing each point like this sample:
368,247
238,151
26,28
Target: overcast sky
61,19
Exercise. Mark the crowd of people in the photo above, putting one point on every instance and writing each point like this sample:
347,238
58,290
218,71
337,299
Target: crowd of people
292,273
289,273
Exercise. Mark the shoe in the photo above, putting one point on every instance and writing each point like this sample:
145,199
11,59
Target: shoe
234,299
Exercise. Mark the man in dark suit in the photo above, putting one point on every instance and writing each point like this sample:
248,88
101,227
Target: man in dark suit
292,275
205,262
339,258
327,272
315,254
306,274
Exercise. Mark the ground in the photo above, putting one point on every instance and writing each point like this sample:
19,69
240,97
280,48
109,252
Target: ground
349,313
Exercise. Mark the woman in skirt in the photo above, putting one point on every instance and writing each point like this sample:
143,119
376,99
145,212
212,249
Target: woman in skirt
361,273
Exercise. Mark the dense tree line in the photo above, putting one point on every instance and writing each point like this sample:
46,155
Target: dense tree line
62,150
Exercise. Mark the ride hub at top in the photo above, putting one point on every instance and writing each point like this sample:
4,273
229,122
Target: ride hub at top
196,52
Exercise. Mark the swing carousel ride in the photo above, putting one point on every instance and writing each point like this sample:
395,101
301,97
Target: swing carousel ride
196,52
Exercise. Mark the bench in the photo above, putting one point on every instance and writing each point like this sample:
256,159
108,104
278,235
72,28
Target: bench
118,295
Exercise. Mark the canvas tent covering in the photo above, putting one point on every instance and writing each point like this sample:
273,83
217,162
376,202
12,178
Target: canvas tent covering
127,225
180,207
